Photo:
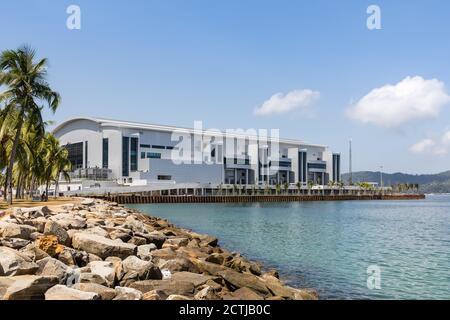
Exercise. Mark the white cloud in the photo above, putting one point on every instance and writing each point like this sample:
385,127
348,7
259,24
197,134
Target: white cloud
430,146
283,103
392,106
422,146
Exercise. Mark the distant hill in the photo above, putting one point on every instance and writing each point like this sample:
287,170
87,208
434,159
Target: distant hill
429,183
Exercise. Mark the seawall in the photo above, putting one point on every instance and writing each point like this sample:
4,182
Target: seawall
142,198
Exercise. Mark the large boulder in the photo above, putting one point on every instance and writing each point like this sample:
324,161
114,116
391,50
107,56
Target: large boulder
118,268
195,278
207,293
38,223
87,202
14,243
69,221
166,287
15,263
179,264
60,292
243,294
102,246
240,280
177,242
156,237
25,287
55,229
33,252
136,269
134,224
52,267
14,230
144,251
105,293
123,293
105,269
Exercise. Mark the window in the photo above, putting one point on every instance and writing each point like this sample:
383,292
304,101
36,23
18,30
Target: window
164,177
75,151
85,154
158,147
134,154
145,146
142,155
169,148
153,155
105,153
125,156
317,166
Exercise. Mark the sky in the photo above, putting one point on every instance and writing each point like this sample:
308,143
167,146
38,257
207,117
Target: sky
312,69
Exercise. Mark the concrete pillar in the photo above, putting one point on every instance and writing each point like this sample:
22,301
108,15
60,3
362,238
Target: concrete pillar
246,176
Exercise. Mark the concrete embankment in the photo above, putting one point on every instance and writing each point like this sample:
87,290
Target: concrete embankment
100,250
142,198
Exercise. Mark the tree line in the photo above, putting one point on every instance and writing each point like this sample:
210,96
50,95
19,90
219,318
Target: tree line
30,157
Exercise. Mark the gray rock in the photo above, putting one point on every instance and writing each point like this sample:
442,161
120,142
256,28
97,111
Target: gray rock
117,263
105,293
69,221
13,230
60,292
52,267
14,243
144,251
243,293
38,223
178,242
179,264
88,277
136,269
87,202
167,287
134,224
138,241
123,293
240,280
120,234
102,246
55,229
207,293
105,269
195,278
15,263
33,252
25,287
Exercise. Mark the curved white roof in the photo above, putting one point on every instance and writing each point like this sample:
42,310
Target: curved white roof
156,127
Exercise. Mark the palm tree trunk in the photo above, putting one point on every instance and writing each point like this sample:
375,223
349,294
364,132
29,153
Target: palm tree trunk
46,191
56,188
9,171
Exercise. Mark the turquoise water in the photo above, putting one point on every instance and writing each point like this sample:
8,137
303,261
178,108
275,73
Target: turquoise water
329,245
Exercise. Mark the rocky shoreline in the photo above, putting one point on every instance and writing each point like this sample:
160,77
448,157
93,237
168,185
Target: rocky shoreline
98,250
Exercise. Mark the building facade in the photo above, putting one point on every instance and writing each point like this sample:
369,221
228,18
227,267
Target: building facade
140,154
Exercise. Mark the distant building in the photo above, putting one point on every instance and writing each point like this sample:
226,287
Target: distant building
141,154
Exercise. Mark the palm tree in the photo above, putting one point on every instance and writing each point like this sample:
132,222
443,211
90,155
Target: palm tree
278,188
310,185
286,187
57,162
26,89
299,187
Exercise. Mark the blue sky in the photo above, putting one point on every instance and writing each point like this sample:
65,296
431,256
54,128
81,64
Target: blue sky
174,62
